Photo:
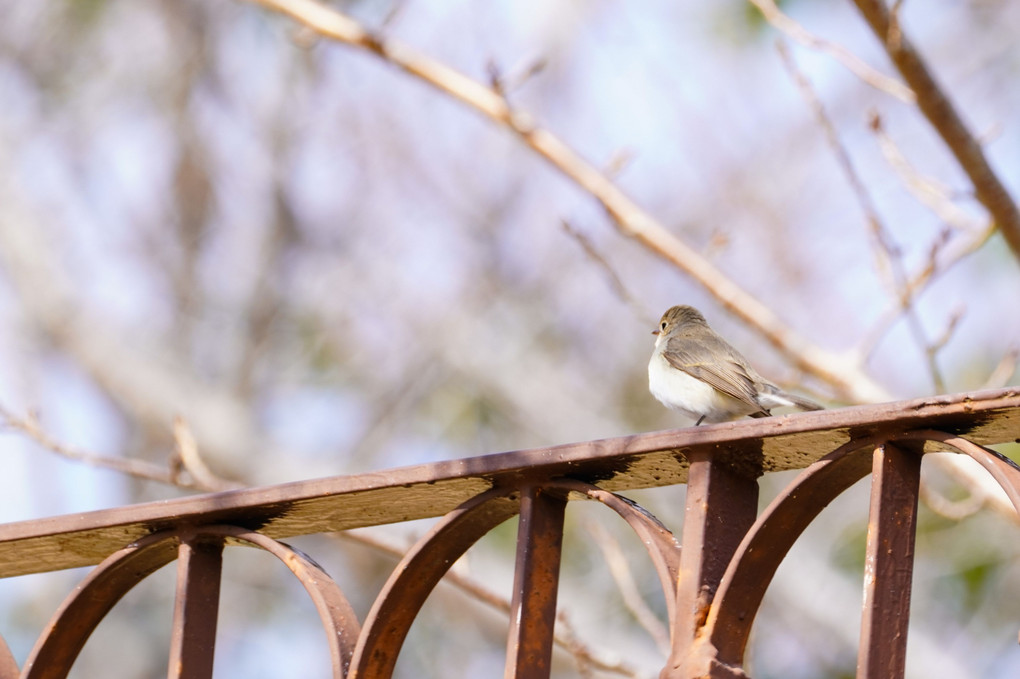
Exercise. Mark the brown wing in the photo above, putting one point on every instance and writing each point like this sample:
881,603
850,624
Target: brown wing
728,375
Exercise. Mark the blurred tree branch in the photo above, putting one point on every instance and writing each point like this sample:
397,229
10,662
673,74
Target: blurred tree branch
888,253
781,21
942,115
31,428
847,380
926,190
187,457
628,588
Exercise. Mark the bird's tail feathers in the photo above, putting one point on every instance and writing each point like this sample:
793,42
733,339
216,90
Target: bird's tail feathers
778,398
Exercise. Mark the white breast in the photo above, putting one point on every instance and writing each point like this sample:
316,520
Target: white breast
677,390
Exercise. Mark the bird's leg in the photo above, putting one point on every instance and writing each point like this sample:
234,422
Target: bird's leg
700,420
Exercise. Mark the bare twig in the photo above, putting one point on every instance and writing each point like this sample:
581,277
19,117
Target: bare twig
615,282
892,256
890,252
796,32
565,629
936,265
938,343
619,162
32,428
1002,373
625,584
394,13
942,115
186,450
505,83
940,259
928,192
186,456
947,334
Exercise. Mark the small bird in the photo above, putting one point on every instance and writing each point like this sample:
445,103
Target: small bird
695,371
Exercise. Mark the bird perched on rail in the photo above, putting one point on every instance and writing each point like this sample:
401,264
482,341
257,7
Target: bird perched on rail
696,372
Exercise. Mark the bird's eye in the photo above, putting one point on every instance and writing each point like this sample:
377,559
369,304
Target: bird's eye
662,325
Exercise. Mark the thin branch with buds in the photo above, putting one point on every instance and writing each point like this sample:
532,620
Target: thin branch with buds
796,32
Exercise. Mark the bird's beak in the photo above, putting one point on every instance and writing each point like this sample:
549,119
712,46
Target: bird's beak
655,332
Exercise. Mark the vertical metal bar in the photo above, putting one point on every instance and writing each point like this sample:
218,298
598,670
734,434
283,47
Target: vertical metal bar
889,564
536,580
418,573
199,563
721,506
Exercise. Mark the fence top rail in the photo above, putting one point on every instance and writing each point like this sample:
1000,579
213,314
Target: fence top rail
428,490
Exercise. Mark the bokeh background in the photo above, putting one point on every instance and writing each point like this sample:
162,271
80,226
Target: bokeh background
325,266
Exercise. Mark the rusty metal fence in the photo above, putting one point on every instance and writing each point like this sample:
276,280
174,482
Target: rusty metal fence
713,577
